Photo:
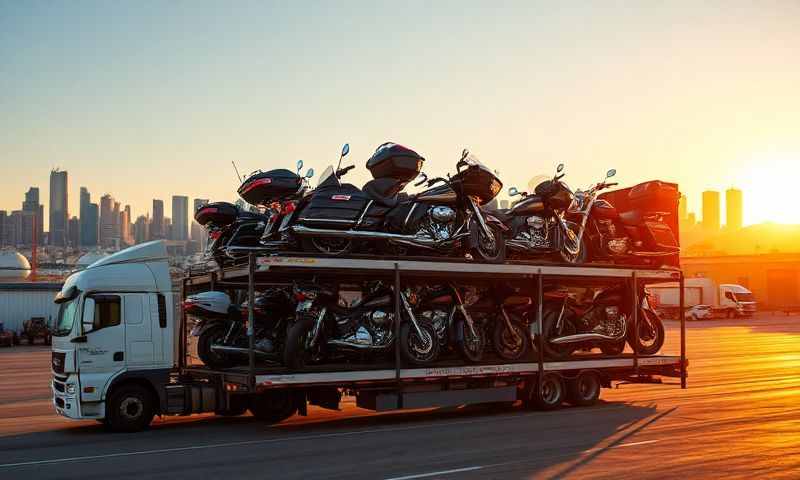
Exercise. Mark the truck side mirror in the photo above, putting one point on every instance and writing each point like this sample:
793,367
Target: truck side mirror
87,320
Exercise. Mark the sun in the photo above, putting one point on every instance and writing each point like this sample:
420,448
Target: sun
771,190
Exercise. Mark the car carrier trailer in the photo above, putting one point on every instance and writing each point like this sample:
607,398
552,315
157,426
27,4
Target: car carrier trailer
128,398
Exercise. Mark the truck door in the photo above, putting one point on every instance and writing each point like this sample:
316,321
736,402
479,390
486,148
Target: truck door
101,347
139,349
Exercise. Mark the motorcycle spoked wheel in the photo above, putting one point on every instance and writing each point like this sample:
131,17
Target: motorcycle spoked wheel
491,250
582,256
510,345
651,333
333,246
416,350
470,345
551,350
213,336
296,354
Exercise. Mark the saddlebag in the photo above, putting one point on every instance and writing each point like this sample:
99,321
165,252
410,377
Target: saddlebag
217,213
337,208
660,235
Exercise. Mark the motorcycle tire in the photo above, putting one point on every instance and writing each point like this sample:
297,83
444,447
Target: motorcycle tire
295,354
322,245
418,351
505,345
210,336
579,259
491,252
273,406
653,336
555,351
471,348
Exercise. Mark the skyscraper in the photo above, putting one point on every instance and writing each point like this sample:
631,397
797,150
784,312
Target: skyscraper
88,225
682,208
198,234
157,223
180,217
106,220
4,229
59,211
125,225
140,229
33,212
93,224
711,210
74,231
733,209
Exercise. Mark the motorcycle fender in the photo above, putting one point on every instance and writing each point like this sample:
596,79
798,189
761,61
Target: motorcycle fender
491,219
201,327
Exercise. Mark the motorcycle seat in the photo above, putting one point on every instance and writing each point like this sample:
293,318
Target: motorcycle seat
631,217
384,191
248,215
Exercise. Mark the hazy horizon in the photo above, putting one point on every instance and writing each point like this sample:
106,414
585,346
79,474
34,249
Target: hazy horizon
150,100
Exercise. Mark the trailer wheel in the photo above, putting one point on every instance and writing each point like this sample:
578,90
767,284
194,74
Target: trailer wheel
273,407
129,409
584,390
549,394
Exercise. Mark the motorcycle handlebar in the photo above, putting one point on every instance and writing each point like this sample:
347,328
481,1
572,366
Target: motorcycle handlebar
436,180
344,170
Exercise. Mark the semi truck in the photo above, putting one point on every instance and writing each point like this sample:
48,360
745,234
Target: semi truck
121,353
726,299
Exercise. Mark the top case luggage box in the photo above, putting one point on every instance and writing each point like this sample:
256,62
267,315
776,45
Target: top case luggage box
395,161
265,187
217,213
338,208
654,196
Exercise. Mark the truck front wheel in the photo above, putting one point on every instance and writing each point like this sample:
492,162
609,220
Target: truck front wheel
273,407
129,409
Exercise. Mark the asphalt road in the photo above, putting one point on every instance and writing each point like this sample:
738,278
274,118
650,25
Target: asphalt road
740,418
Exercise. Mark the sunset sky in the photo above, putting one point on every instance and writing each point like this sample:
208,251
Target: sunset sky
150,99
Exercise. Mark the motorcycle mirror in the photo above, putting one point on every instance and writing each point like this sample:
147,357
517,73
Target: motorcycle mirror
299,165
464,154
611,173
345,149
513,192
310,173
560,167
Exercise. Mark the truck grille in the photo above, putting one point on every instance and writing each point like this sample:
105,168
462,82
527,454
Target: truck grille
58,386
57,362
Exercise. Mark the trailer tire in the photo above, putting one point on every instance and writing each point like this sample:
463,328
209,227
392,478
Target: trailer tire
130,409
584,390
273,407
547,395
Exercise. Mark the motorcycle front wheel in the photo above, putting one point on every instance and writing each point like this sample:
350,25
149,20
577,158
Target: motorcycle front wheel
416,350
554,351
327,245
213,335
651,333
510,344
491,250
470,345
296,354
581,257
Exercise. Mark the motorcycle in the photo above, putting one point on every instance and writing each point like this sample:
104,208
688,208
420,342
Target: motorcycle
506,316
221,326
637,235
443,307
324,330
537,225
229,225
604,322
444,218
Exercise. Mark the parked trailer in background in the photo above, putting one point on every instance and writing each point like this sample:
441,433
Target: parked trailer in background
728,300
120,353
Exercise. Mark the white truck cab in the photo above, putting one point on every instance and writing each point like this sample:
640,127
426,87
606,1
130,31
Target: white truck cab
737,297
113,347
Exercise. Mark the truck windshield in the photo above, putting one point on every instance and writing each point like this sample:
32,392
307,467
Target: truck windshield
66,317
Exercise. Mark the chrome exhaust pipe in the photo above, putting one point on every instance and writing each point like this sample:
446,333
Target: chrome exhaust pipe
363,234
653,254
240,350
584,337
359,346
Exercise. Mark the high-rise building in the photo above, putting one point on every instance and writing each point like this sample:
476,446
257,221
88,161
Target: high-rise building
125,226
157,222
15,228
691,219
198,234
33,221
74,232
107,220
180,217
733,209
3,221
59,211
682,208
140,229
88,223
711,210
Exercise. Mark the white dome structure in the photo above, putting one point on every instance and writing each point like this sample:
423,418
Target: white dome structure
88,259
13,266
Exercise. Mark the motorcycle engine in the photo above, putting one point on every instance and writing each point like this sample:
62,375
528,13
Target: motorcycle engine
437,318
439,223
537,235
618,246
609,321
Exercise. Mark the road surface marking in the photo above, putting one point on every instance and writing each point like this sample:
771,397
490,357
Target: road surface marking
440,472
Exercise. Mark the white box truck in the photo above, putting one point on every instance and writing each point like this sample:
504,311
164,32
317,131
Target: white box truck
726,299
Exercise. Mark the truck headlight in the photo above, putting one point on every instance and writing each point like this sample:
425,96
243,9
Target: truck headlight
70,389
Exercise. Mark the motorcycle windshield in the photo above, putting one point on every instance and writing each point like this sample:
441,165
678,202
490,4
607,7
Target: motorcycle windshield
325,176
536,180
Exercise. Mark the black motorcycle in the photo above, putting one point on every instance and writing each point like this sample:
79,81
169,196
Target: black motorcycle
538,225
605,321
444,219
229,225
221,326
325,331
506,315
